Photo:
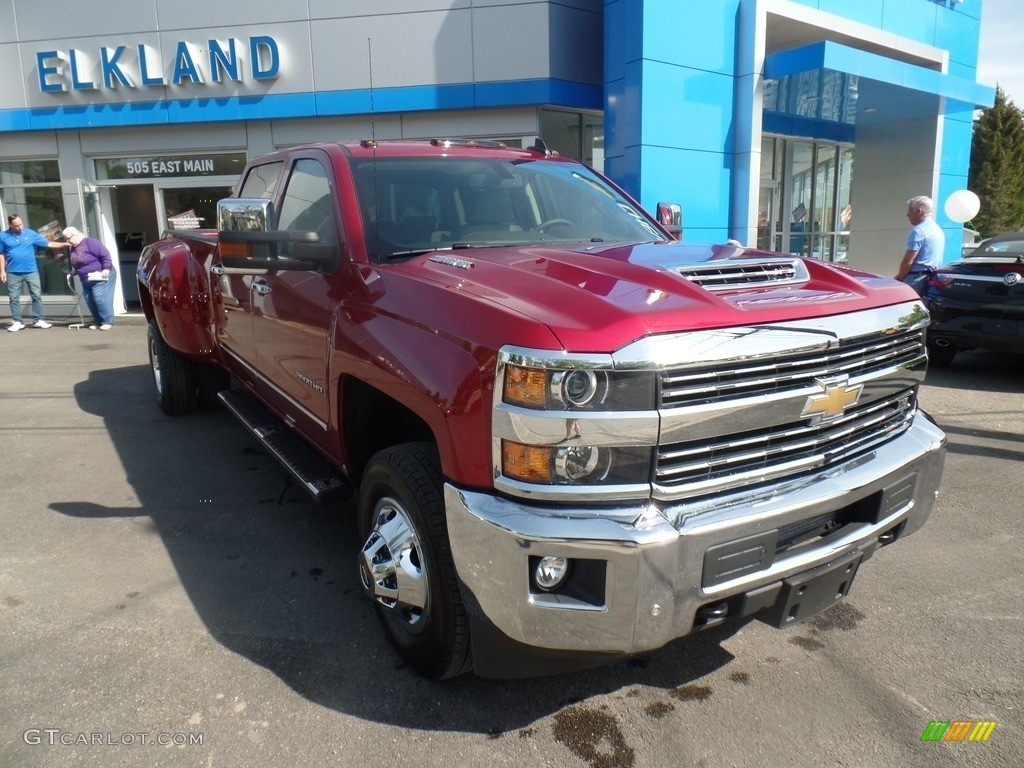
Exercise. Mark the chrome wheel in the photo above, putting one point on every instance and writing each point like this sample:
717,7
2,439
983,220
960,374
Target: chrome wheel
154,362
391,565
405,562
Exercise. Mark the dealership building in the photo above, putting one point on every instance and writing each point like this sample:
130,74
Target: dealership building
799,125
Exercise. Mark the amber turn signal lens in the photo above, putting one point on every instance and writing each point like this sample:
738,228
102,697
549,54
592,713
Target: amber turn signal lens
525,386
235,250
528,463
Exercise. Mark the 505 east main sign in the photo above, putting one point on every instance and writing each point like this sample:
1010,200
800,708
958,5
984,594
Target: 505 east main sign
122,66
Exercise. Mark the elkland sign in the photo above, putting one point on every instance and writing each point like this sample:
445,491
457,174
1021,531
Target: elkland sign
140,66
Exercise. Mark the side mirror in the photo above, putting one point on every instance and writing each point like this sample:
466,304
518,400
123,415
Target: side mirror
670,216
239,214
248,242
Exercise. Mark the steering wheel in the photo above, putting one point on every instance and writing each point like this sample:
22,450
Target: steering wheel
551,222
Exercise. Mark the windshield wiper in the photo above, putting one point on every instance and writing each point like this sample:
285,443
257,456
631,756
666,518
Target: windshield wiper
411,252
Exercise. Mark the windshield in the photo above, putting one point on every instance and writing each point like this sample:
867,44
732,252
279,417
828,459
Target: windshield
1001,247
412,205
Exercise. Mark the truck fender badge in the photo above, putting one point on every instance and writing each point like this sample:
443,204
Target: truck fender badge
309,382
831,403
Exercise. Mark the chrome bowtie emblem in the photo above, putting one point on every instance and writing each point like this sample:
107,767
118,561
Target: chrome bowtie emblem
831,403
1011,278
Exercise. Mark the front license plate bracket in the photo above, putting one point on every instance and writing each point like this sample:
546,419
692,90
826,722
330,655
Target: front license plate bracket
809,593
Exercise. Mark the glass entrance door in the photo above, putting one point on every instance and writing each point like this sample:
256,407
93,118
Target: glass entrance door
90,209
805,207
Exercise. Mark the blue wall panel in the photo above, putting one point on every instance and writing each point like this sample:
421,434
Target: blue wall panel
687,108
625,169
915,19
699,181
960,34
956,144
671,113
627,112
700,34
615,45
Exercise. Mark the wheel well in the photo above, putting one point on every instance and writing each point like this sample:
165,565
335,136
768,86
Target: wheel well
146,301
372,421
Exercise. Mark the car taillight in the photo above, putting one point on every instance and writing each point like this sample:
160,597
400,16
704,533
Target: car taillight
941,279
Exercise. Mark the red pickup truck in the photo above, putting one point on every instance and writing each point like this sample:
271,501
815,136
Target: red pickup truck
570,437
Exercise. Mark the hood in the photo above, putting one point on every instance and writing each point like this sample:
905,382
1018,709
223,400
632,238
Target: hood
597,297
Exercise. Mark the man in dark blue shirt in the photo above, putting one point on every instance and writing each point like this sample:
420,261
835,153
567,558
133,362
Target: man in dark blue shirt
18,269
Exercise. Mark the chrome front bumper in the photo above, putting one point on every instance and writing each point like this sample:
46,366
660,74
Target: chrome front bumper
655,578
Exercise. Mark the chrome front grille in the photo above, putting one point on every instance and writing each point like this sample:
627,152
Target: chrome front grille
694,384
746,458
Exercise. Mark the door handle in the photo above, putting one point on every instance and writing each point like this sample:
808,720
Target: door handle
261,287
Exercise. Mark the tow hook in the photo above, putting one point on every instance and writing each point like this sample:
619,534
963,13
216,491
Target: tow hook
712,612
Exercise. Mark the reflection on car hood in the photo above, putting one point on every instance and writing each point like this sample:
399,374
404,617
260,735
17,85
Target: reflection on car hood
601,296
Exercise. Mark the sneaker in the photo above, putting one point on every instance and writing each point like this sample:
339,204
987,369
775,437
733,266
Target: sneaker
42,324
15,327
93,327
106,327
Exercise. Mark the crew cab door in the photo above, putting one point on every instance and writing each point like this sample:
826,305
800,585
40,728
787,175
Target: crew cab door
292,310
235,328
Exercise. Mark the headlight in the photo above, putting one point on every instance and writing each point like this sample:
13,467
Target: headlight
573,427
578,389
574,465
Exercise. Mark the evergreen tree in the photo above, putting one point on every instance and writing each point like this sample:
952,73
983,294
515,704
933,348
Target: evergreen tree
997,167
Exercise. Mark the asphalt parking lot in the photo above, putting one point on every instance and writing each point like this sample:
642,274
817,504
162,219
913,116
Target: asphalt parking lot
168,598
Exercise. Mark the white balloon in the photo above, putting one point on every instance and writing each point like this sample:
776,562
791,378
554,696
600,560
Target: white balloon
963,205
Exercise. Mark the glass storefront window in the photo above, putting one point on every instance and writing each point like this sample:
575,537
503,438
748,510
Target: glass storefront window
29,172
192,207
768,201
801,170
824,188
804,206
843,204
31,189
579,135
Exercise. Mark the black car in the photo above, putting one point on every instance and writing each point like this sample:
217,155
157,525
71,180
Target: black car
978,302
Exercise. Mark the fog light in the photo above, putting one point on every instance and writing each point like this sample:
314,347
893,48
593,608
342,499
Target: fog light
551,571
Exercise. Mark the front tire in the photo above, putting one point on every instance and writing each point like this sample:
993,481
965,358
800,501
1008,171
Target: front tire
174,376
405,564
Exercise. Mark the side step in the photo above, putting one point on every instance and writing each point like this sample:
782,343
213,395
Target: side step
324,482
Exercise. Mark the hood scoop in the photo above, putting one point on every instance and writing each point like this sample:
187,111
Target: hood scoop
728,275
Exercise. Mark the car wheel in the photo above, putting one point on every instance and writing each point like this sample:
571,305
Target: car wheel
405,563
174,376
940,357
